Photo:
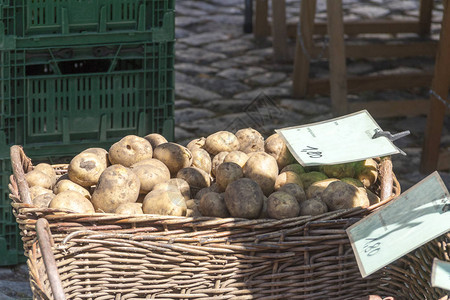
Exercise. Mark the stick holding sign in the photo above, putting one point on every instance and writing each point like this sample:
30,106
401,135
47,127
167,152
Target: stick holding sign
406,223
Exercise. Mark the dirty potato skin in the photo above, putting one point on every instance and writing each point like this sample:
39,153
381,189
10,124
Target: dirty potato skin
201,159
275,146
281,205
150,175
217,161
160,202
129,150
85,169
262,168
174,156
43,200
72,201
287,177
294,190
244,198
237,157
316,189
197,143
47,169
129,209
212,188
38,178
213,205
221,141
195,177
155,139
341,195
36,190
117,185
175,183
250,140
313,207
226,173
101,153
68,185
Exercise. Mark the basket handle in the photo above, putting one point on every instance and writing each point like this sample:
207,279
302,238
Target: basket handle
18,160
386,175
45,244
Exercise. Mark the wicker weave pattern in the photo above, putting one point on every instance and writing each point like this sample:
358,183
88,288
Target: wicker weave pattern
108,256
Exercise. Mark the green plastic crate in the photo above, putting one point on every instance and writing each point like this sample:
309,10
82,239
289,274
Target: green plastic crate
11,249
31,23
54,97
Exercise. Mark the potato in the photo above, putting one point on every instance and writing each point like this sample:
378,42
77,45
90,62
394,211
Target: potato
174,156
317,188
197,143
43,200
68,185
339,170
281,205
155,139
195,177
117,185
237,157
193,208
373,198
263,214
275,146
191,203
48,170
85,169
367,171
226,173
244,198
313,207
212,188
221,141
101,153
217,161
353,181
287,177
72,201
152,162
150,175
129,150
161,202
129,209
341,195
38,178
297,168
201,160
311,177
262,168
175,183
213,205
294,190
250,140
36,190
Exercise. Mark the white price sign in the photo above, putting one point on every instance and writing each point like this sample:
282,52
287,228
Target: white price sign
411,220
340,140
440,274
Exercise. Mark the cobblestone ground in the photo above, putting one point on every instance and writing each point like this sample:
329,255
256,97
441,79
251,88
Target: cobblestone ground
220,71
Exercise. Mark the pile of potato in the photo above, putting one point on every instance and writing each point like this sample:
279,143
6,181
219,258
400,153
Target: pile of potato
223,175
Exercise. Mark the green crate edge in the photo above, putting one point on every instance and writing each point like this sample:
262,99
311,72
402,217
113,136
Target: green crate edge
165,33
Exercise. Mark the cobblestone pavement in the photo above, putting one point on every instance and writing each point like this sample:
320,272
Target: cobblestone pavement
220,71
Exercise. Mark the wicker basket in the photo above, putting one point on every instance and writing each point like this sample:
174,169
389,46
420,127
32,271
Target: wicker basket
108,256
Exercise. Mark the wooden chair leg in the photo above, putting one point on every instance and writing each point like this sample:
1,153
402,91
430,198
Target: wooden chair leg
337,63
301,59
440,85
425,14
279,30
261,28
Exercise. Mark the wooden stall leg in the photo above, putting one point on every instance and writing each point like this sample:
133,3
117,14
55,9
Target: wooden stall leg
440,85
279,30
301,59
425,14
261,28
337,63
